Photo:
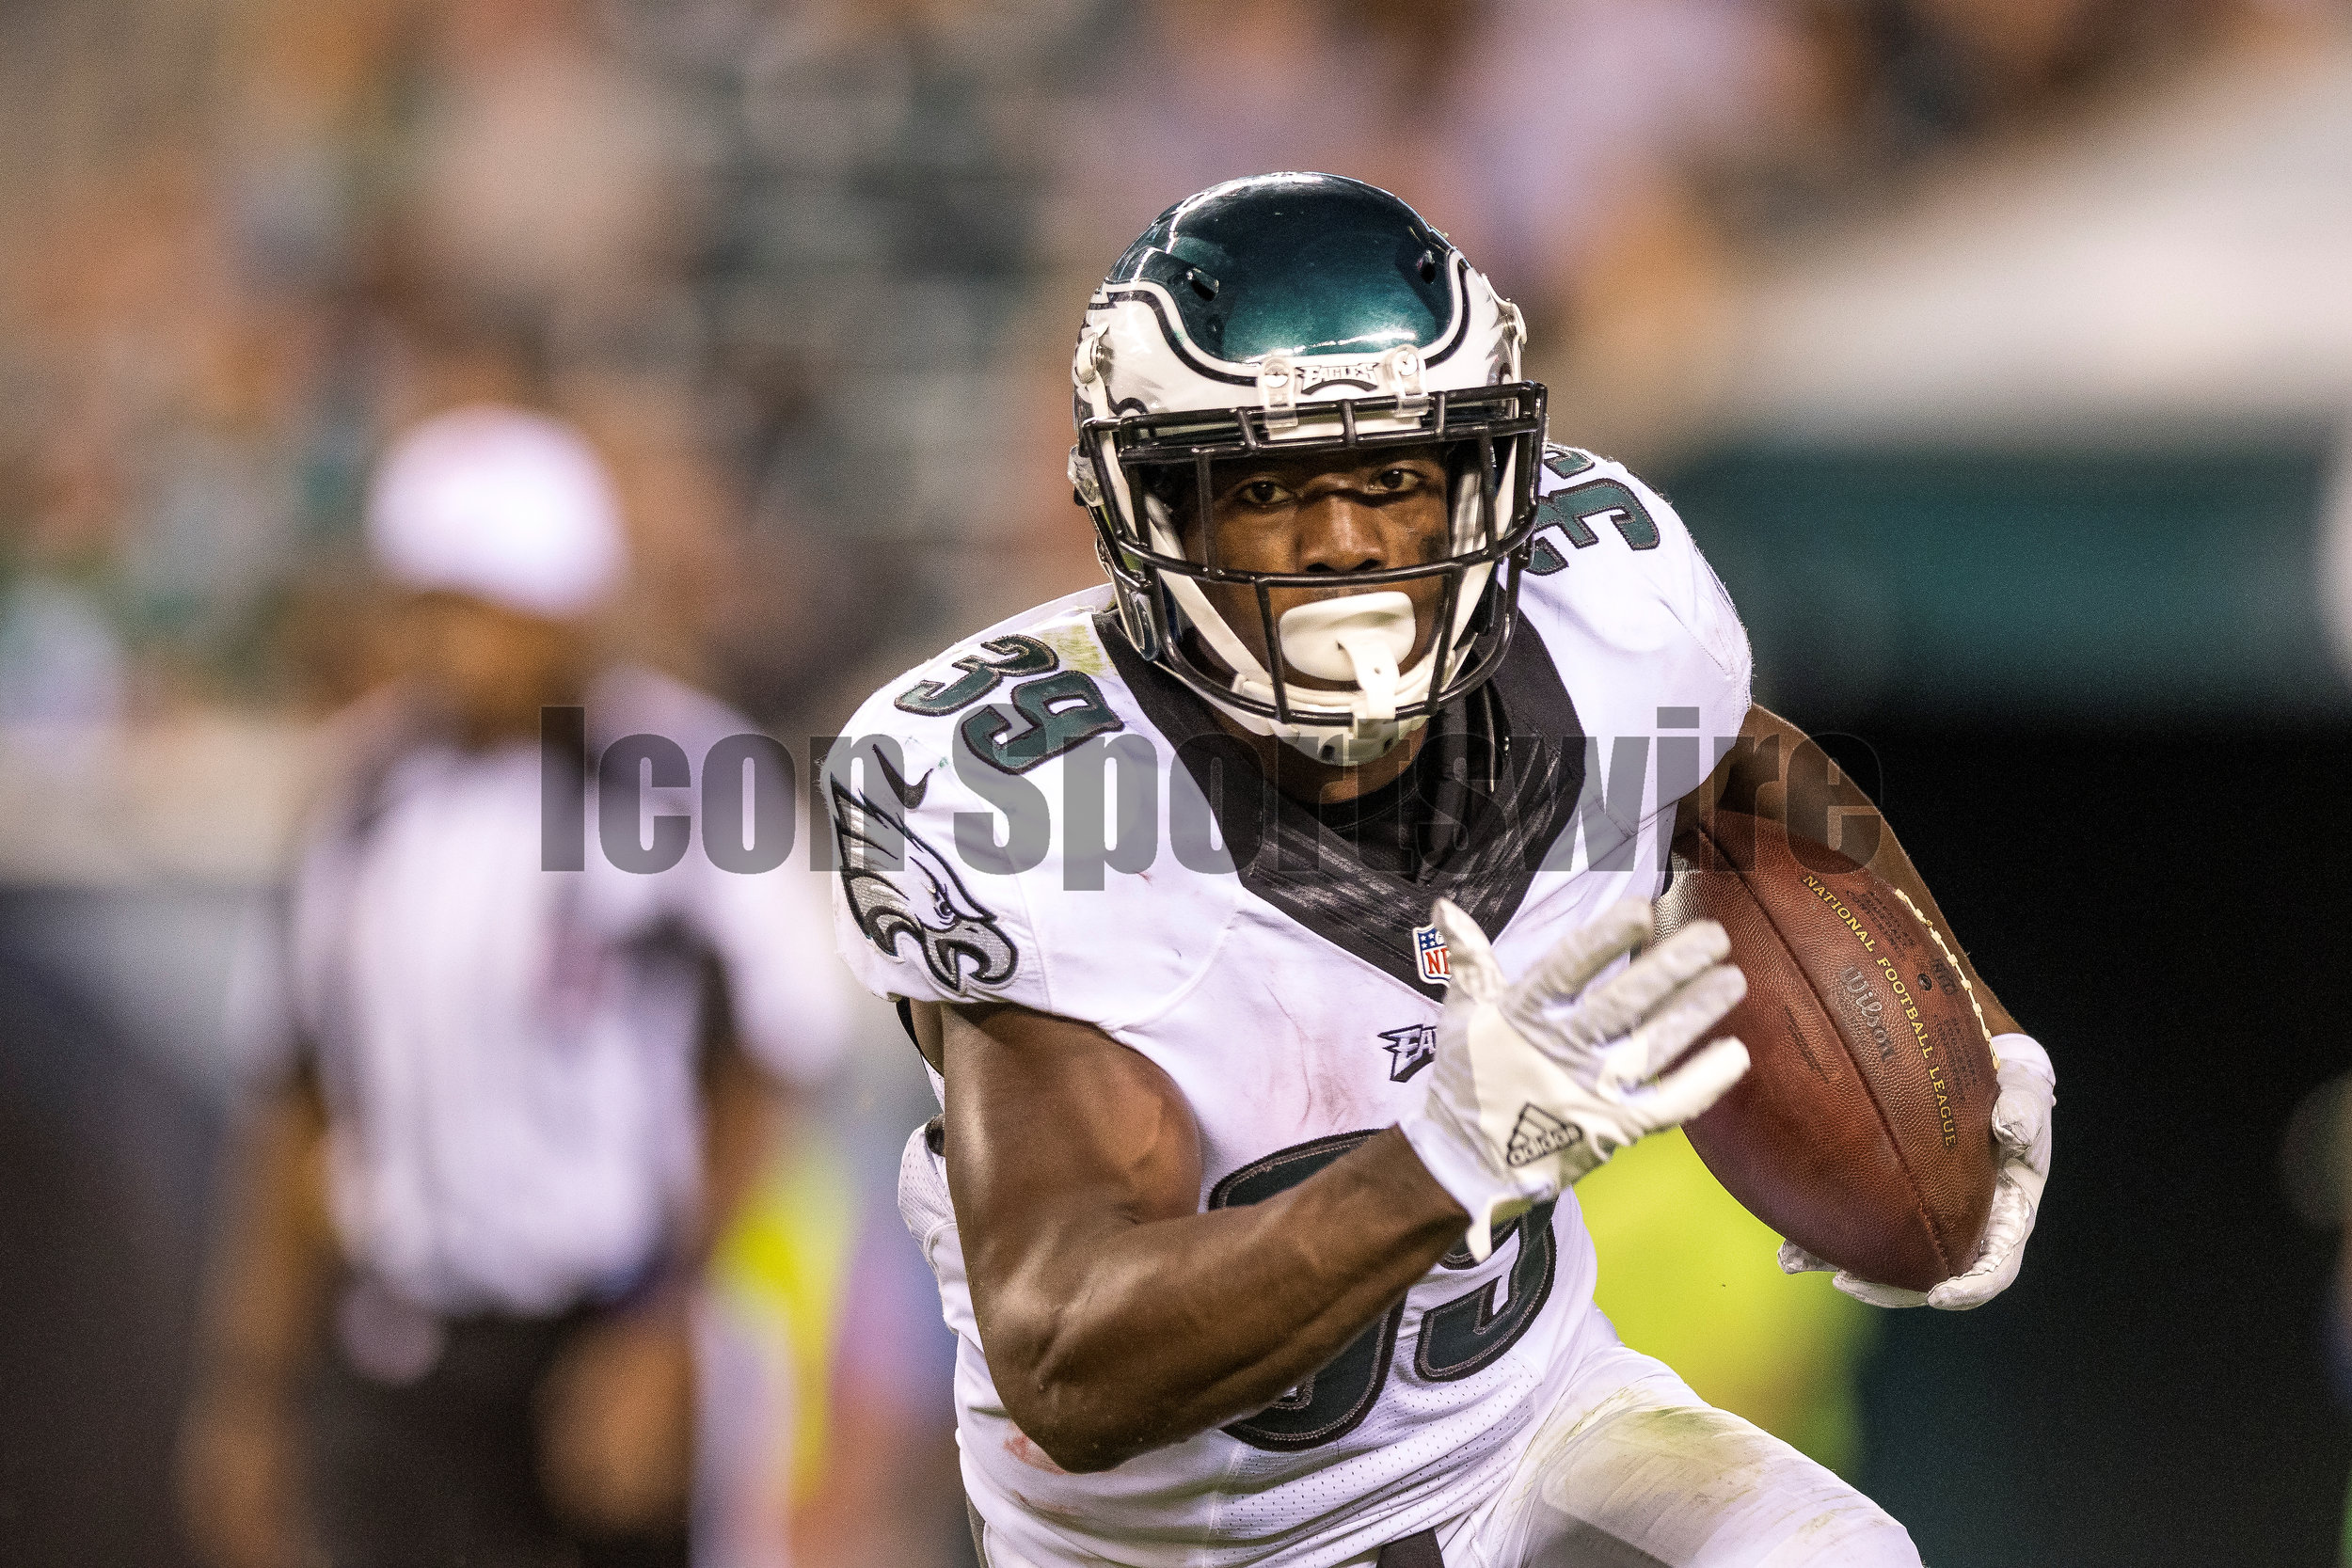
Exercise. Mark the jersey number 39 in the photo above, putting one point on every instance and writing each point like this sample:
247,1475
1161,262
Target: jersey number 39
1457,1336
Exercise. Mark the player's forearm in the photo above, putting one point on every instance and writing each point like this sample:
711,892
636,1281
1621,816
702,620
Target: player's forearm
1127,1338
1782,773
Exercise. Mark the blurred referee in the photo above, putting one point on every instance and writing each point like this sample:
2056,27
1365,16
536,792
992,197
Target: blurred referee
454,1311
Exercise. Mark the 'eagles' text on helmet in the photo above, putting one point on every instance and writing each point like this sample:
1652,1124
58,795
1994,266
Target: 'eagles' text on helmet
1306,316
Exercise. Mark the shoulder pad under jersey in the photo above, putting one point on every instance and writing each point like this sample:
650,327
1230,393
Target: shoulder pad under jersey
980,807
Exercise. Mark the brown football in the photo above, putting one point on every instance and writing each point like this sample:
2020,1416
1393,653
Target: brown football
1863,1129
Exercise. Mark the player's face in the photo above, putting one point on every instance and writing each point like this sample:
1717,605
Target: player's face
488,667
1305,517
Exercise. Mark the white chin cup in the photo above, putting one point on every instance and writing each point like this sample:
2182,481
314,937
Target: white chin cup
1360,639
1335,747
1357,638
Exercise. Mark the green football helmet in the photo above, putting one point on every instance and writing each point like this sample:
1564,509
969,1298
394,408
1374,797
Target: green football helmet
1290,315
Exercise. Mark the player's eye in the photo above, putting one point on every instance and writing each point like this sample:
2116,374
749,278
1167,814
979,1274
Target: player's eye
1261,492
1394,478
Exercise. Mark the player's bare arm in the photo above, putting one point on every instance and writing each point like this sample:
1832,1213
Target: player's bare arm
1761,776
1778,772
240,1450
1117,1318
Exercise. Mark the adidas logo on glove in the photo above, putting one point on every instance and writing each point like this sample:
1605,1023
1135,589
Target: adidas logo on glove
1538,1134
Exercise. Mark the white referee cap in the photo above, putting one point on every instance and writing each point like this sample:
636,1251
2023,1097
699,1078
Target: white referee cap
508,506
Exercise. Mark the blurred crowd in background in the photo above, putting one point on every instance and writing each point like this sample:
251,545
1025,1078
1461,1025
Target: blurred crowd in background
807,274
805,271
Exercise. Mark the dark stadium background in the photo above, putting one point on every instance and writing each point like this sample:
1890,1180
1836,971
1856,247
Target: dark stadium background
2128,814
2158,1390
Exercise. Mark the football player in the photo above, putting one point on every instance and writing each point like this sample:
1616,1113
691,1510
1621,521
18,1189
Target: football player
1276,922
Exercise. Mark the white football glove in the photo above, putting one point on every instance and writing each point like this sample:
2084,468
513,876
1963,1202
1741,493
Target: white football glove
1538,1082
2021,1133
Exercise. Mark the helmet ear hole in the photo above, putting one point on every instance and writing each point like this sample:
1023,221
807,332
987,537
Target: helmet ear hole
1429,266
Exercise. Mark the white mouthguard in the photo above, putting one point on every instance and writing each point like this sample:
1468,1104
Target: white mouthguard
1360,639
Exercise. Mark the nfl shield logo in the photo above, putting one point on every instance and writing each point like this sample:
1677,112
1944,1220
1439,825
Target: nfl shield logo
1429,952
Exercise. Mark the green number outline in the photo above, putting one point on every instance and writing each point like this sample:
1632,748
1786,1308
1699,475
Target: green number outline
1465,1334
1335,1401
1458,1338
1015,655
1052,731
1568,510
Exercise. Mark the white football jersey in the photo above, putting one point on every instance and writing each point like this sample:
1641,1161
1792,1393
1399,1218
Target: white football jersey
1038,817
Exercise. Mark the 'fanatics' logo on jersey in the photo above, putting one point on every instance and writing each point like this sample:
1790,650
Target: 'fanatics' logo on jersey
1410,1049
1429,953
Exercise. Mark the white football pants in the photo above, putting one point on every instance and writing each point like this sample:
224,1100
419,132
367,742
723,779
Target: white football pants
1632,1469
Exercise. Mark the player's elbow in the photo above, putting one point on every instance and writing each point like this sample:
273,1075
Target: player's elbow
1076,1407
1081,1433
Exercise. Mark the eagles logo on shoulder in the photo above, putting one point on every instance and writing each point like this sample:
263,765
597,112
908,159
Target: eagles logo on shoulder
898,886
